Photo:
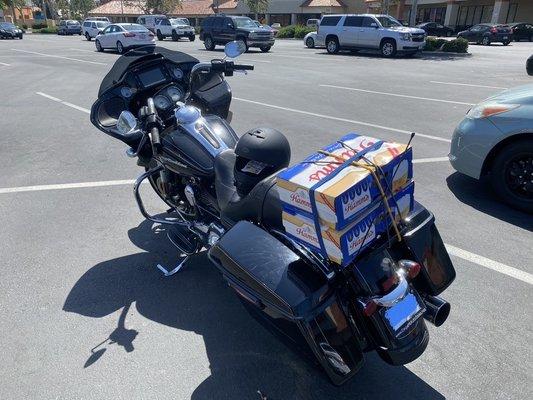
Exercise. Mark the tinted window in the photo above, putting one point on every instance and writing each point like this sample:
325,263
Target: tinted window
330,21
101,24
217,23
244,22
388,22
108,29
207,22
353,21
367,22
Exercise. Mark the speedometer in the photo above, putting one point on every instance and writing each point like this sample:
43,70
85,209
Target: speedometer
175,93
126,92
161,102
178,73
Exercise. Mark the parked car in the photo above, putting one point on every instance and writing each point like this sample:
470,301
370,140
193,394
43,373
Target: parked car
221,29
434,29
150,21
369,31
522,31
529,66
487,33
91,28
175,28
122,37
10,31
496,140
69,27
312,23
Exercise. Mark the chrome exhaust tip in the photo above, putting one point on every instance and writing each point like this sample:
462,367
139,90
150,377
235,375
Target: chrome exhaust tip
437,310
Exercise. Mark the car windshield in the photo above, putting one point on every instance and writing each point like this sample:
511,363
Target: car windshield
7,25
244,22
388,22
73,23
102,24
179,21
134,27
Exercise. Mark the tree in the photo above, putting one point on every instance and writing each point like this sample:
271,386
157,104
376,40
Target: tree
257,6
155,6
80,8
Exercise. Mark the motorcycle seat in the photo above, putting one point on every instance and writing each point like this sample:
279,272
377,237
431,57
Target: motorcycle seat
260,205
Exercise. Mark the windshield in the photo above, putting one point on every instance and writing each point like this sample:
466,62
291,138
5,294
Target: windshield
73,23
388,22
102,24
134,27
179,21
244,22
7,25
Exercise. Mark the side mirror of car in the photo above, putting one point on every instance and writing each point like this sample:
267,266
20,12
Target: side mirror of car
230,25
374,25
101,32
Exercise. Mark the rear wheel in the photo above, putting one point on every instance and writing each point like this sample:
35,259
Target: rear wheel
98,46
209,44
310,42
175,36
485,41
120,48
159,35
388,48
506,43
512,175
265,49
87,36
192,38
332,45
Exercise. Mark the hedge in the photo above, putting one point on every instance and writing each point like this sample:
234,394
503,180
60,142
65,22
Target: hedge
286,32
294,31
45,30
453,46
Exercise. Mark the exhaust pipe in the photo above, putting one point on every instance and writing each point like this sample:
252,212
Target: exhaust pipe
437,310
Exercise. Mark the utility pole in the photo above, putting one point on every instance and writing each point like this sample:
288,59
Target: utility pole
412,18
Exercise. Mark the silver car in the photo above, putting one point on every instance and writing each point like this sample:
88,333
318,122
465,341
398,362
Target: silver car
496,140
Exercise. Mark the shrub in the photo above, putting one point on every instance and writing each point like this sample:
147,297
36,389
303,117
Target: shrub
456,46
39,26
46,30
286,32
24,26
300,31
433,44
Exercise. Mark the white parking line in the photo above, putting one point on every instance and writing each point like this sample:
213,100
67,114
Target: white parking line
66,103
65,186
61,57
468,84
398,95
429,160
351,121
4,64
490,264
85,51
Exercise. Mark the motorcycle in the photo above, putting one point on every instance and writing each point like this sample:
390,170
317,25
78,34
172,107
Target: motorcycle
172,111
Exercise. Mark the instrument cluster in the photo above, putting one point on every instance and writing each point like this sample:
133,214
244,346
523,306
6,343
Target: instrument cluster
168,96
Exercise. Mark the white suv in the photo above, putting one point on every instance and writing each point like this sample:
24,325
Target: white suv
369,31
175,28
91,27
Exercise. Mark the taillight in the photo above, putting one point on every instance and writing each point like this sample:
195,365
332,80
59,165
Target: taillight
411,267
493,30
129,34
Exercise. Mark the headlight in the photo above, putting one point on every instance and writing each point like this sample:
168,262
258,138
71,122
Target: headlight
405,36
489,109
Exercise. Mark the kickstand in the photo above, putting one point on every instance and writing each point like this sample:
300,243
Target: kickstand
175,270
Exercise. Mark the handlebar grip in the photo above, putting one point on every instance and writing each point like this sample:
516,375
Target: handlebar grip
243,67
156,141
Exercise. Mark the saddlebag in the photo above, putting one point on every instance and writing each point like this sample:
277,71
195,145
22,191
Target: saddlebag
289,297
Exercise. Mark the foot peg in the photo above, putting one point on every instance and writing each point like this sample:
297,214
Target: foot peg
178,267
185,240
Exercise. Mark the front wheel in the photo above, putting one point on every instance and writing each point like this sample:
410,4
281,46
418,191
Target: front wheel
310,43
160,37
175,36
87,36
192,38
332,45
512,175
388,48
265,49
506,43
485,41
99,47
120,48
209,44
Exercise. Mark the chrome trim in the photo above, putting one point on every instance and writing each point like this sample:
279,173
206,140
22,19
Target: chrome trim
399,292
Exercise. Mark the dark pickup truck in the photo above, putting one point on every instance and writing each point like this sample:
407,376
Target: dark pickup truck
221,29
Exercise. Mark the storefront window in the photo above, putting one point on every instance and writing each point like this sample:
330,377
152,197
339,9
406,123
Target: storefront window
511,14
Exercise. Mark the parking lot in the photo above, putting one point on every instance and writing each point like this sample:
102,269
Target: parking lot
87,315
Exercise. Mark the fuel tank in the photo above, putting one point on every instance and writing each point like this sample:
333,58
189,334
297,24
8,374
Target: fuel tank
190,147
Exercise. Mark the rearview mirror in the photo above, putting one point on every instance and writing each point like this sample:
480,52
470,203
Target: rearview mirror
126,123
234,49
374,25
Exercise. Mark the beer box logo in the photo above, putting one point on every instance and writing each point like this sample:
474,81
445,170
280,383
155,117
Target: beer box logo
362,233
307,233
301,198
356,198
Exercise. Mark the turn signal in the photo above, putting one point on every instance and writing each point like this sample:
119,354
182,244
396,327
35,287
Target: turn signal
411,267
488,109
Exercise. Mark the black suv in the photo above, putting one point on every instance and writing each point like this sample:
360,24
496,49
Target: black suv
221,29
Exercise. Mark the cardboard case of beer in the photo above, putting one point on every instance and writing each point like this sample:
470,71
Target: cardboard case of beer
342,196
343,246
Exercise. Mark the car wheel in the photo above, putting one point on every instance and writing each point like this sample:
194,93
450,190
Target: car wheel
175,36
512,175
310,42
516,39
159,35
120,48
87,36
485,41
388,48
265,49
332,45
99,47
192,38
506,43
209,44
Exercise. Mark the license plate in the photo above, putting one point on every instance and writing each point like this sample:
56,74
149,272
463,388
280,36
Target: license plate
505,37
403,314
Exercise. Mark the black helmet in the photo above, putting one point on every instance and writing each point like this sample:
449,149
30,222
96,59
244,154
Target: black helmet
260,152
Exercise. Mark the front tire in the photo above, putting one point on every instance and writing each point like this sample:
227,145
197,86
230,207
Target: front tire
512,175
87,36
485,41
99,47
506,43
332,45
388,48
265,49
160,37
192,38
175,36
209,44
120,48
310,43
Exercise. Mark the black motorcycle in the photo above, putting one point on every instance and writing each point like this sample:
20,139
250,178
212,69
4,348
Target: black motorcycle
172,111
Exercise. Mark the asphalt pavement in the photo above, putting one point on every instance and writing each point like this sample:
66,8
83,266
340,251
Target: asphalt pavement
85,313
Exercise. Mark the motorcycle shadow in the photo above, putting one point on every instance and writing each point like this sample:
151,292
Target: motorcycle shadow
244,358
